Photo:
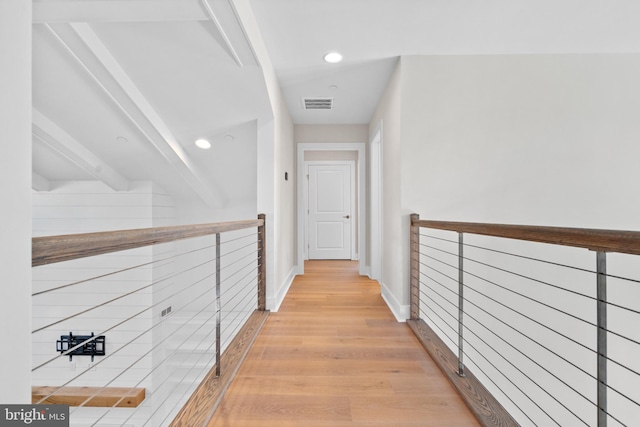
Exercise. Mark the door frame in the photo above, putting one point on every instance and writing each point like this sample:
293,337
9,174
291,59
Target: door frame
352,170
360,147
376,198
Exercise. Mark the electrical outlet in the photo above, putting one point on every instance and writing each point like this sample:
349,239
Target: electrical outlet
165,311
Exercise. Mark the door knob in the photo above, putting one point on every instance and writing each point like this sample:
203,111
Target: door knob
347,216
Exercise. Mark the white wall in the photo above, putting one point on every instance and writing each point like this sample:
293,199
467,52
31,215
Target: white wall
275,157
15,187
389,113
330,133
533,139
537,139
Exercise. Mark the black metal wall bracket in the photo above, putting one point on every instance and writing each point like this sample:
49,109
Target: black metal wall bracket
91,345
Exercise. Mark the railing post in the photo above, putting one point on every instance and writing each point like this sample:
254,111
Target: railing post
218,305
461,304
262,263
601,260
415,269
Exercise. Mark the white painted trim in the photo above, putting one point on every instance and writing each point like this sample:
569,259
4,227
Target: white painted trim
354,193
85,46
376,212
39,183
64,144
360,147
401,312
274,303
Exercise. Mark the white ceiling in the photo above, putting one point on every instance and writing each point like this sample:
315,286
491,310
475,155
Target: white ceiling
372,33
162,73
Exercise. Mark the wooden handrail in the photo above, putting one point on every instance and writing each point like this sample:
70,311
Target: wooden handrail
627,242
52,249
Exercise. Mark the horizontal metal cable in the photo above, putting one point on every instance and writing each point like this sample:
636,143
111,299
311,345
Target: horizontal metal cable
530,339
512,382
242,278
238,249
147,353
517,312
628,279
118,298
169,258
124,321
455,331
519,370
440,272
614,333
254,260
207,365
455,344
512,254
531,319
542,282
239,238
621,307
113,352
501,391
250,264
250,293
516,293
240,324
435,281
455,306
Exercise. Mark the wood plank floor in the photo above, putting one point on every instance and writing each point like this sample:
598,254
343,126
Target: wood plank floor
335,356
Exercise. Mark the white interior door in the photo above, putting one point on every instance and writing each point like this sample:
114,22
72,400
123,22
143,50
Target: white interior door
330,216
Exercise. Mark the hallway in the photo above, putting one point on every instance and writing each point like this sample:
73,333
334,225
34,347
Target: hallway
334,355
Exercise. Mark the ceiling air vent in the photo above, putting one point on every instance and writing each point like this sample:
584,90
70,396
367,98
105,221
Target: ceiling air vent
318,103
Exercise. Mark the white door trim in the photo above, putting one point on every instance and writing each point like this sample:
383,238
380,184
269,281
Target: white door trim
360,147
352,165
375,188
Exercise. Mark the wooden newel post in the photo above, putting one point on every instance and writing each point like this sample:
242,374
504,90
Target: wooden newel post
262,263
415,268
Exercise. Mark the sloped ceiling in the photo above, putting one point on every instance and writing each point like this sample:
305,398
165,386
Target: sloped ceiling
122,89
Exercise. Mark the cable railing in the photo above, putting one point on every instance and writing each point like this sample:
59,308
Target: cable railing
546,319
132,327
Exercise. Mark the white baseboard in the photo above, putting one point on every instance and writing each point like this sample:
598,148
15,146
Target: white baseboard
365,271
401,312
274,303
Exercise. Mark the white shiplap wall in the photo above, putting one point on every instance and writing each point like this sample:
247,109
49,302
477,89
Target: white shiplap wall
88,206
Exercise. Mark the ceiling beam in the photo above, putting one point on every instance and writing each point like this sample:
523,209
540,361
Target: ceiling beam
223,14
39,183
85,46
67,11
63,143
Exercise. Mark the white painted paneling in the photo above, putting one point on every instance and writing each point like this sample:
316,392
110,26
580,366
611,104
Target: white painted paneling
137,344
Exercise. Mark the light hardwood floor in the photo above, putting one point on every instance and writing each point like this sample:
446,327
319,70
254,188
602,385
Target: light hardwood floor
335,356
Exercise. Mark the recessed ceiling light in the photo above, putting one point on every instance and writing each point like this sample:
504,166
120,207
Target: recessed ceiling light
333,87
229,138
203,143
333,57
122,139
